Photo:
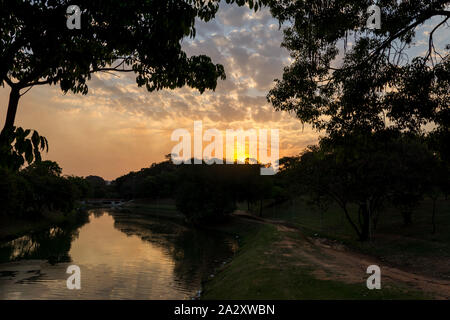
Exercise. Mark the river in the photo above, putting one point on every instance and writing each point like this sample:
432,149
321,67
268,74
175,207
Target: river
120,257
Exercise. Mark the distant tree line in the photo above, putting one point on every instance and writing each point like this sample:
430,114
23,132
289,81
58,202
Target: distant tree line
30,187
366,170
38,188
202,192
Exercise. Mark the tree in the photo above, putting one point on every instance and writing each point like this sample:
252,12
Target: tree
157,181
97,186
439,179
80,187
337,88
143,37
45,168
287,178
358,94
13,192
48,190
438,183
414,175
367,170
206,193
18,146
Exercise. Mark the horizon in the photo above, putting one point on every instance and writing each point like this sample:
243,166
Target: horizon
282,151
118,127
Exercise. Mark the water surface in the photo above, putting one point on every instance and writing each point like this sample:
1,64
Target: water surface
120,257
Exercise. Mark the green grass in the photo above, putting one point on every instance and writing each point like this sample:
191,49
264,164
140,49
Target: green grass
163,209
413,247
259,272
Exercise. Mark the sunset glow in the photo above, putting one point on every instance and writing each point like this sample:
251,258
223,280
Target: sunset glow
118,127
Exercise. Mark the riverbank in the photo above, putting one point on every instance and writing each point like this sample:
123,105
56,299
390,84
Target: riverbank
281,259
277,262
296,253
12,228
164,208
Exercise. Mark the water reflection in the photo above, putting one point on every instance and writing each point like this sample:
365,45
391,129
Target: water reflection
120,256
194,253
52,244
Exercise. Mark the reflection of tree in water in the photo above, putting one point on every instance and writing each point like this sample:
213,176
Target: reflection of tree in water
97,213
195,252
52,244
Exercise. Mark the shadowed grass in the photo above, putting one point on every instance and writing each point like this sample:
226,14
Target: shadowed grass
412,247
259,271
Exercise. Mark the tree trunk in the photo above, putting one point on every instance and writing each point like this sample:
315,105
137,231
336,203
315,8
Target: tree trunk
260,207
12,108
407,217
349,219
433,216
375,223
365,225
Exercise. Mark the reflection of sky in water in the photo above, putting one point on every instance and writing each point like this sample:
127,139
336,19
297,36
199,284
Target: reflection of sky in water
113,265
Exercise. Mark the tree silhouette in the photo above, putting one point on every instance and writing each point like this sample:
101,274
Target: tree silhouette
143,37
18,146
366,171
338,88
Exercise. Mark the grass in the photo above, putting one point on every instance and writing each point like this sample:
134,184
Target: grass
263,270
413,247
260,272
160,209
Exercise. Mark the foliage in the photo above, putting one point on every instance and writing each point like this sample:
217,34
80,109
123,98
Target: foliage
208,193
202,192
373,84
205,194
367,170
142,37
38,188
96,187
156,182
13,192
81,188
19,146
366,96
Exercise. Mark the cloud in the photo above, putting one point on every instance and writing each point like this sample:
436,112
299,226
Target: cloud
120,127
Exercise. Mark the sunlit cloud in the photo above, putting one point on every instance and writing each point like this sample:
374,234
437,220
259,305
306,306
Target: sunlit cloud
118,127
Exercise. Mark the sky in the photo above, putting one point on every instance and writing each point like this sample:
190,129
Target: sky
118,127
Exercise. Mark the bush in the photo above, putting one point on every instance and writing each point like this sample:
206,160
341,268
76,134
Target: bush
206,193
13,190
38,188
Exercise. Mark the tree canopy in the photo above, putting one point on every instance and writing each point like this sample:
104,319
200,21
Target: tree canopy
368,171
374,83
143,37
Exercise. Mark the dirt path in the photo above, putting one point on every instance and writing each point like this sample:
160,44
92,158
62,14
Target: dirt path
333,261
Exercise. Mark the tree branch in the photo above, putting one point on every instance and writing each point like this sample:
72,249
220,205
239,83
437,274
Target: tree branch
110,69
430,41
441,13
9,82
403,31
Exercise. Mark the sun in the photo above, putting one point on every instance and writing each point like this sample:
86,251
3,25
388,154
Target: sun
241,153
